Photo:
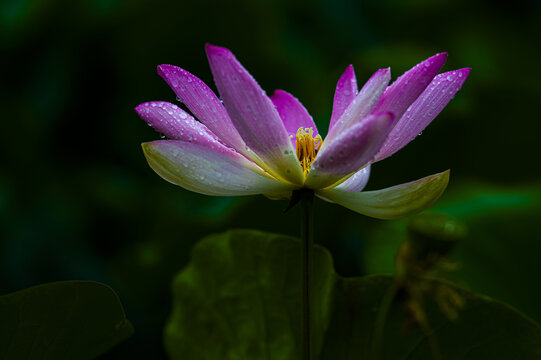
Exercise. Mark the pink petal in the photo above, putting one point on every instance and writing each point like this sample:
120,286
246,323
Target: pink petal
345,92
361,106
176,124
394,202
350,151
431,102
254,115
407,88
202,169
293,114
202,102
356,182
173,122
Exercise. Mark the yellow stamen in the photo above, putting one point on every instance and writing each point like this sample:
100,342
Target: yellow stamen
307,147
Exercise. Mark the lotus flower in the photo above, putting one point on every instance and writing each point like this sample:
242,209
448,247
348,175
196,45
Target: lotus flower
250,143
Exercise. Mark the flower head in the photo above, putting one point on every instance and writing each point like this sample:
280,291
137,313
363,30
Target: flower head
255,144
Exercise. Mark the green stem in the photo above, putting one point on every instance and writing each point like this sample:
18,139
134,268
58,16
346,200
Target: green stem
307,245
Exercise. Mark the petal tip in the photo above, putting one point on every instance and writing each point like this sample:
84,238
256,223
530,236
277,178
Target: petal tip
143,109
164,68
443,177
146,146
442,55
384,73
216,50
166,71
278,93
139,108
465,71
150,146
446,175
442,174
438,59
150,149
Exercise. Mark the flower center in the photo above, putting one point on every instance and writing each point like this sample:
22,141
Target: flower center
307,147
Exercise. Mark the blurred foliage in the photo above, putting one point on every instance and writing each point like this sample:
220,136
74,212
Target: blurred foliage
239,298
498,255
61,320
77,200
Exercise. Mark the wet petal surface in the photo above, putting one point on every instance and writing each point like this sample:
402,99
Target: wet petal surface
427,106
254,115
407,88
176,124
203,103
206,171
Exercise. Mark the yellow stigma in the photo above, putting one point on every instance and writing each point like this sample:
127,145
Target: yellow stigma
307,147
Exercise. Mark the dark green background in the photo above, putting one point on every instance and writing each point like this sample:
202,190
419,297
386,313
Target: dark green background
78,201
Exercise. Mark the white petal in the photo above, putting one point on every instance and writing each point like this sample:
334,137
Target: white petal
356,182
394,202
205,170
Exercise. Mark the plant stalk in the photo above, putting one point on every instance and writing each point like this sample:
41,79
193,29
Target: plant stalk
307,246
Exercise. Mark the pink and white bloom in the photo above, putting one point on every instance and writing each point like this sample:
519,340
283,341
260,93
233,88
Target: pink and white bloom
251,143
